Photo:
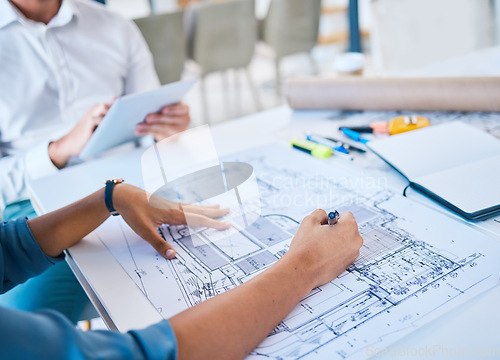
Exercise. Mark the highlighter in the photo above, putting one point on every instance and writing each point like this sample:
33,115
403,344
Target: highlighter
317,150
406,123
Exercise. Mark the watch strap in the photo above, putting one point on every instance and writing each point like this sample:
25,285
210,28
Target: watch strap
108,195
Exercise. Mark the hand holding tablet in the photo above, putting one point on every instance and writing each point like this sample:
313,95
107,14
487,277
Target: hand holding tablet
120,123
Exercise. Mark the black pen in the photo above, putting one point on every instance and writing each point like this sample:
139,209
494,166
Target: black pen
360,129
349,145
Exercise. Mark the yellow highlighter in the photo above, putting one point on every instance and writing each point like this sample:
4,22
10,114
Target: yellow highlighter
316,150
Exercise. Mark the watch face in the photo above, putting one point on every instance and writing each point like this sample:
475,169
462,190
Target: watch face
115,180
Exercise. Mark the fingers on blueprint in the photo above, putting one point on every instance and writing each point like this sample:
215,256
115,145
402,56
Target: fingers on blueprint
213,211
202,220
151,235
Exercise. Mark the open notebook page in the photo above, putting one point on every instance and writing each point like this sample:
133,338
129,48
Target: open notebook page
436,148
473,187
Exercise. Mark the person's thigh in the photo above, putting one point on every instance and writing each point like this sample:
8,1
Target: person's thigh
21,209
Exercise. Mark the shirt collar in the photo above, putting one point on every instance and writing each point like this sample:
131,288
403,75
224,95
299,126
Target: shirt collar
9,14
64,15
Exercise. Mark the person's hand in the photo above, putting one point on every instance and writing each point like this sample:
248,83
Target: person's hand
72,144
170,120
135,208
324,251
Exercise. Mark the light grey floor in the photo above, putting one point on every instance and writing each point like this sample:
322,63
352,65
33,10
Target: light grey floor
235,99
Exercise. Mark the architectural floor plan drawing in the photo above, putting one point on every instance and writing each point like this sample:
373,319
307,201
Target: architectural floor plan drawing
415,264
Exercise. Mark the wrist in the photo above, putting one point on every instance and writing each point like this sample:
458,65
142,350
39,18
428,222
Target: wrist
123,197
302,273
110,195
56,154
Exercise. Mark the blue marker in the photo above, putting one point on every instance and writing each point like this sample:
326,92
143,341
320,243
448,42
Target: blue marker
348,144
339,149
333,217
356,136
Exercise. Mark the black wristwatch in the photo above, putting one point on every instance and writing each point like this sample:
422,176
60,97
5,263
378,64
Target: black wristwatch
108,194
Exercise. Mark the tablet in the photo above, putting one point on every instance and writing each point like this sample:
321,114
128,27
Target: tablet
118,126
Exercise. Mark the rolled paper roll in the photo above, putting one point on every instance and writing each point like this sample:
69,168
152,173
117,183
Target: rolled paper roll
417,94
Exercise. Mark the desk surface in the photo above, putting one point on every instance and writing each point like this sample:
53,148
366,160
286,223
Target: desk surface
473,325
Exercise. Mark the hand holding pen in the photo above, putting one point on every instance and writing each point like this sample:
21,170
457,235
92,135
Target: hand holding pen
333,217
314,237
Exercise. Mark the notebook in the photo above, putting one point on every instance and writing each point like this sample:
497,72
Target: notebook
455,164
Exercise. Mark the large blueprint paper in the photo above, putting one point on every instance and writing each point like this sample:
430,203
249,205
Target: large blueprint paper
415,264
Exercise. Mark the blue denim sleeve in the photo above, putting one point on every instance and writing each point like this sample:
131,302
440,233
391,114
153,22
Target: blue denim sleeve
20,255
48,335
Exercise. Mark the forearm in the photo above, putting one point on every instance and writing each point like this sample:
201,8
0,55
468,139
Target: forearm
63,228
230,325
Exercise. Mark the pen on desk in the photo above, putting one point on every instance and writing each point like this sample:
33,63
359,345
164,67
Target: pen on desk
378,127
360,129
318,139
333,217
335,143
356,136
351,145
338,149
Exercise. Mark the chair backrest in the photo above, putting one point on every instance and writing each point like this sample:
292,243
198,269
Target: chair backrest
164,34
292,26
222,35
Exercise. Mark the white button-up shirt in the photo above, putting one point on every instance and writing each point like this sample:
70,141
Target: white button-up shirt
51,74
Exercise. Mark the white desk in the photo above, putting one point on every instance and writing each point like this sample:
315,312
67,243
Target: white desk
123,306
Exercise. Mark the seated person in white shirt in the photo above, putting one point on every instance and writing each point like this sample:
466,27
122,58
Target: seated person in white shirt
61,62
61,65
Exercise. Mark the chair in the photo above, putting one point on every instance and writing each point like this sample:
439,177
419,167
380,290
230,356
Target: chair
164,34
222,36
291,27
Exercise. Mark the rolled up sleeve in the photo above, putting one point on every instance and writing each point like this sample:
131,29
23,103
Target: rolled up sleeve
20,256
38,163
49,335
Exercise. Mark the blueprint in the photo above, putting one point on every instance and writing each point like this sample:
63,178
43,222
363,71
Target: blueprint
415,264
